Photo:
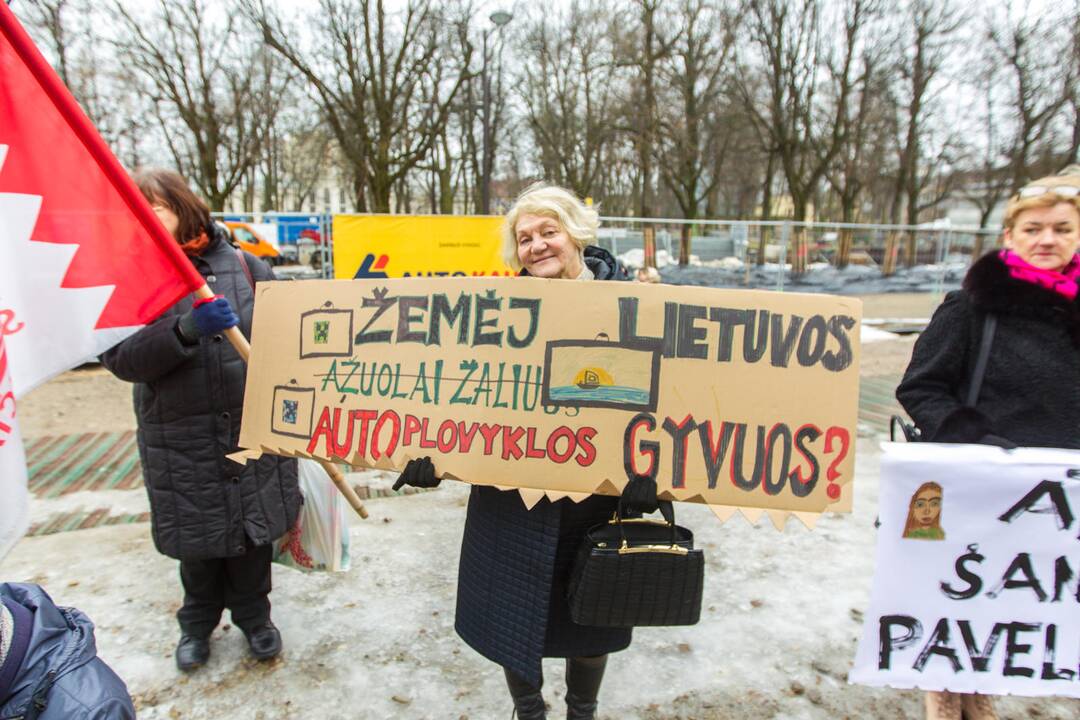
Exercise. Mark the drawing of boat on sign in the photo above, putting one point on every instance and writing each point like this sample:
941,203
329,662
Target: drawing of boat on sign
586,373
590,379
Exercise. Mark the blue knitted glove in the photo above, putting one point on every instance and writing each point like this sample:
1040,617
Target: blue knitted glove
207,317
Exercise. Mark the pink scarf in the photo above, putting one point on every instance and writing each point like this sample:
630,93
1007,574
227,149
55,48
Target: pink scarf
1063,282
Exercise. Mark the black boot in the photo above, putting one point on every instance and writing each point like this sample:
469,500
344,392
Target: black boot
264,641
583,678
192,652
528,701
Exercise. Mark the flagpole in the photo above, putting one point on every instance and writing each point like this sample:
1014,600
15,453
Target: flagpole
243,349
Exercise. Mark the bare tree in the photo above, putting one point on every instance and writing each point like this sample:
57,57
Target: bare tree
987,182
1072,155
204,81
643,50
1034,55
50,19
925,43
369,76
692,139
787,37
865,136
569,90
478,121
69,31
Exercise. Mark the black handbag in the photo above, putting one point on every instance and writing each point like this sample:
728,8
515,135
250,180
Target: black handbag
631,572
912,433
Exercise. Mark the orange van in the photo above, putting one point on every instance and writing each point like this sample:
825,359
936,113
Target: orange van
247,238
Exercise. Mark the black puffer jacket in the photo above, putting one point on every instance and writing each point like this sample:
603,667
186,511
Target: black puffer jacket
516,562
1031,391
188,401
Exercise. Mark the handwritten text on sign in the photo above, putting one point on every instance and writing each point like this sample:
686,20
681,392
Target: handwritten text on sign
727,397
976,587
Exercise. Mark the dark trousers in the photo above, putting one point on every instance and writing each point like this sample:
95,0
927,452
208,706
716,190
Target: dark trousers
241,584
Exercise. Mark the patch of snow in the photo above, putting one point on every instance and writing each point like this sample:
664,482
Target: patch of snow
871,334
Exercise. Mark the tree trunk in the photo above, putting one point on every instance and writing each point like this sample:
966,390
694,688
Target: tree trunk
649,236
892,246
911,247
446,191
800,244
977,247
684,245
360,190
380,192
766,210
843,250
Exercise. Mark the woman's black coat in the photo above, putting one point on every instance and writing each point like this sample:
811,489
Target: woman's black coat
188,400
1031,390
516,562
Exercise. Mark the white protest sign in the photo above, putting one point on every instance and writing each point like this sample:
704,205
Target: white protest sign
978,558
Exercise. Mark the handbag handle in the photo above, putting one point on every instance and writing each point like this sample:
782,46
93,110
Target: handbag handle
909,431
667,510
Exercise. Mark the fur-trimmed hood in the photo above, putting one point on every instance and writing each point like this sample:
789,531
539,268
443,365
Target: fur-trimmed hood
993,290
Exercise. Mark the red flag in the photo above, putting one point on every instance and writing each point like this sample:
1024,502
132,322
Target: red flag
84,261
72,219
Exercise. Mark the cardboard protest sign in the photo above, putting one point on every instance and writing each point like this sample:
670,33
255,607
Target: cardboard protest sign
976,587
732,398
379,246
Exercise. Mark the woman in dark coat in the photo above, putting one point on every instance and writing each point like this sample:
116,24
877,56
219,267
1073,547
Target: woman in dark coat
217,517
512,603
1030,395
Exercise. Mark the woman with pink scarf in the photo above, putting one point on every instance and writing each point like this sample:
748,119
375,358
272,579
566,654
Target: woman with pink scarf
1030,393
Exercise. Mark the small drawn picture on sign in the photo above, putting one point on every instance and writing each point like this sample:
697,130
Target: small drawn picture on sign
288,411
326,332
599,373
924,514
294,411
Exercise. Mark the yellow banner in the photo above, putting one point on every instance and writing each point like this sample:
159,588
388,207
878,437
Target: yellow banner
389,246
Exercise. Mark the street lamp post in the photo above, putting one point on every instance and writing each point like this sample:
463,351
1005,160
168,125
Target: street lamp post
487,159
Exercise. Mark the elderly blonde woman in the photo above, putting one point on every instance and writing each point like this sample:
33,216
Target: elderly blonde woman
1030,395
515,562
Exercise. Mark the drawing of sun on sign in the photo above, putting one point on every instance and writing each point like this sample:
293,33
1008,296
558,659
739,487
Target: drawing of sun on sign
294,411
326,332
599,373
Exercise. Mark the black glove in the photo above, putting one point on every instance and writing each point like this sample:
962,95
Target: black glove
419,473
639,495
1001,442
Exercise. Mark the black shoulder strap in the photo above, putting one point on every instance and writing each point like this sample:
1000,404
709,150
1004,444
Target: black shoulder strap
989,326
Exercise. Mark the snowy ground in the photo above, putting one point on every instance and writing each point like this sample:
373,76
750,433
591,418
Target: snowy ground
820,277
781,616
731,272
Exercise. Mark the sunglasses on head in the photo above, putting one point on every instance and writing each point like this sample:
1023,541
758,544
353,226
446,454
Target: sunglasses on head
1064,191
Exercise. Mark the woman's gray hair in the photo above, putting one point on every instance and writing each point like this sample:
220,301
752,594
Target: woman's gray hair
578,220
